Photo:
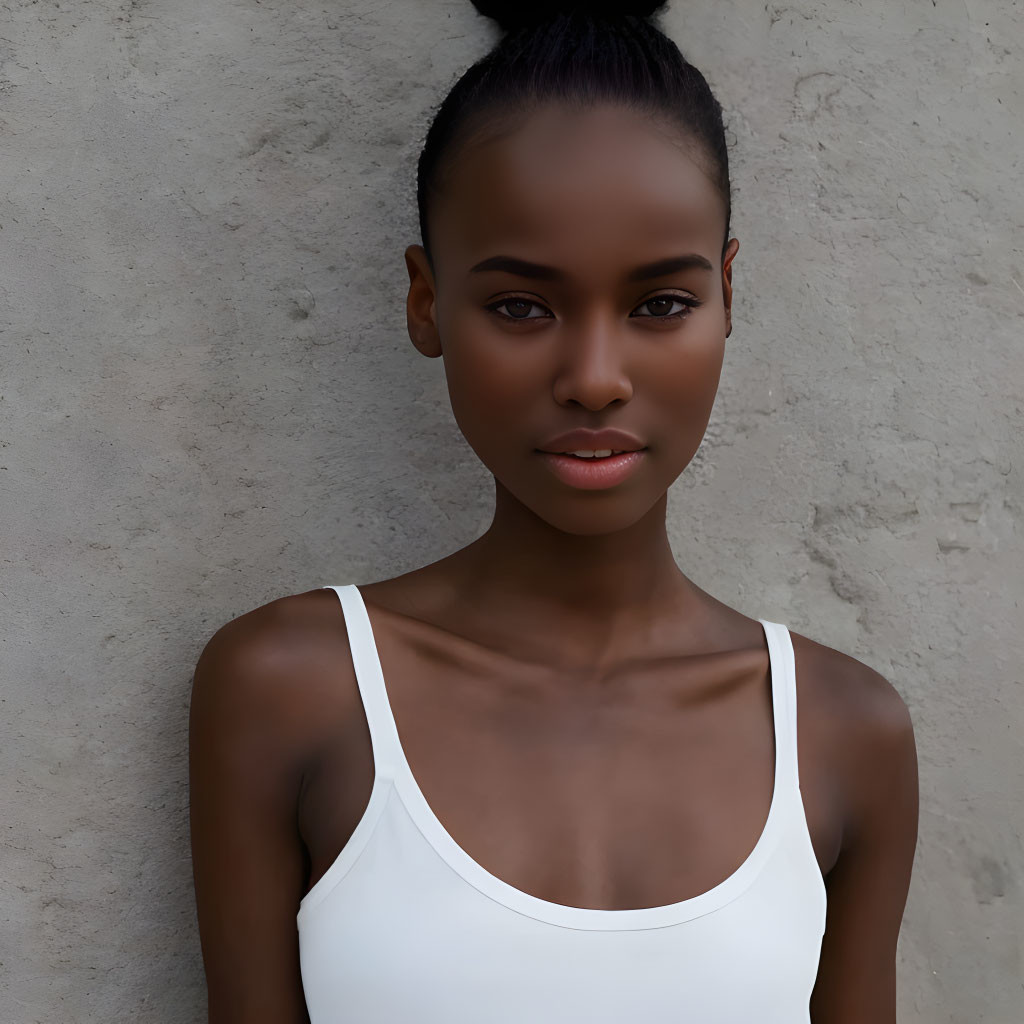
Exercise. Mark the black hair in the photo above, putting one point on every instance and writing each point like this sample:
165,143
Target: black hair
582,53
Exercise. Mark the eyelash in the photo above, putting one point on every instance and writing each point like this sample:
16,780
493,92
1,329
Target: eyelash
689,305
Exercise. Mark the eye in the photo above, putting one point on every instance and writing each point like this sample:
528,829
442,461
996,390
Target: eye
660,307
518,308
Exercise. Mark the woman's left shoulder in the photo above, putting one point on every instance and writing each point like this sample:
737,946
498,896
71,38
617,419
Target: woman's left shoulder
856,698
858,737
859,724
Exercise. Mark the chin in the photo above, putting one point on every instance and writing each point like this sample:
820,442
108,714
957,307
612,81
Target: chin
595,514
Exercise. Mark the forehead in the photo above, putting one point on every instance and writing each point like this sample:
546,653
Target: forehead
578,184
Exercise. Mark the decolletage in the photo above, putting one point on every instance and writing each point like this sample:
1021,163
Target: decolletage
406,927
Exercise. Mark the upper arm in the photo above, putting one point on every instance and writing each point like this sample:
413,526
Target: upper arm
246,754
867,888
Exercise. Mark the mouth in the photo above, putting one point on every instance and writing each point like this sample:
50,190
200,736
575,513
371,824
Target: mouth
608,442
601,453
593,470
591,453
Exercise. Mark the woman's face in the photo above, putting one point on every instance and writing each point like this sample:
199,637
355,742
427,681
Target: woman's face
551,312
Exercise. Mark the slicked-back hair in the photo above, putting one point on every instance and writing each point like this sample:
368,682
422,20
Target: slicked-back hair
580,54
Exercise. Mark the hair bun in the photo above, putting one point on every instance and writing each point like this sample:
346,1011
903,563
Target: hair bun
513,14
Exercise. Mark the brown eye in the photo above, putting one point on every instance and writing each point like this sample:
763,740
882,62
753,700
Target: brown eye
518,309
660,307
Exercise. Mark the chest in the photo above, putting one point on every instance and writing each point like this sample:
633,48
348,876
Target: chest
629,788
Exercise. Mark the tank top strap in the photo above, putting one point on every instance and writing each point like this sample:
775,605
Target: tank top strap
783,673
388,756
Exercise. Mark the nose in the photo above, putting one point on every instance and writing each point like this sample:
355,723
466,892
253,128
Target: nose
592,367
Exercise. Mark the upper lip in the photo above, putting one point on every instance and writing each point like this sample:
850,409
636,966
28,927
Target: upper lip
584,440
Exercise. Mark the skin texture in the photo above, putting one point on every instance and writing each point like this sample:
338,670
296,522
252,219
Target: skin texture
560,668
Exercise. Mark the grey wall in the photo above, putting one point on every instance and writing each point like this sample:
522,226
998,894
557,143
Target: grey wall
207,399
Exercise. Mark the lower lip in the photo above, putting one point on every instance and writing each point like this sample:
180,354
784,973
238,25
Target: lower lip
593,474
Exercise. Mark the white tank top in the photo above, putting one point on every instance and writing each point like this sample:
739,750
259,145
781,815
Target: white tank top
406,927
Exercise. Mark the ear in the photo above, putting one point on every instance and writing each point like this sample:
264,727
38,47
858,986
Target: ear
730,254
421,306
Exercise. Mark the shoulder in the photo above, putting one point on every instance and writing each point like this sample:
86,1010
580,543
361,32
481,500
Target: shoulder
860,726
861,762
277,635
267,692
848,694
278,671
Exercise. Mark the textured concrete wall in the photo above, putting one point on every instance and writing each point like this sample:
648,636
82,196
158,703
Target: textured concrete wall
208,400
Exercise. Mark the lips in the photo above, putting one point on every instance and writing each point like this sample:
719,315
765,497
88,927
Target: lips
582,439
594,474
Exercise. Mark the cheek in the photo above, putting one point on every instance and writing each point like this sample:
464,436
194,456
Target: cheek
683,387
683,390
492,385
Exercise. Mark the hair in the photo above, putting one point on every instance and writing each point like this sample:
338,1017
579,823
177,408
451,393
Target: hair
576,52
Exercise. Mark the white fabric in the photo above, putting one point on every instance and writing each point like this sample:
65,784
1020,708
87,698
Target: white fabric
406,927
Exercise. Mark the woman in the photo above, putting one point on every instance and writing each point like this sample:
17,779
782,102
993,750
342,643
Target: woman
548,778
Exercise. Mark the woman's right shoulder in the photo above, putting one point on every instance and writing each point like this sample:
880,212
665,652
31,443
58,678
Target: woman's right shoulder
284,665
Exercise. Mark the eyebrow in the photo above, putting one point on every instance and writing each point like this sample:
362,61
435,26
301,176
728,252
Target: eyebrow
524,268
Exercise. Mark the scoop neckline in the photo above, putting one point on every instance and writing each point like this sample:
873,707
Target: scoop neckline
591,918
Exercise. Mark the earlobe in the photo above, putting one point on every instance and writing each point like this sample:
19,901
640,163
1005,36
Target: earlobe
420,305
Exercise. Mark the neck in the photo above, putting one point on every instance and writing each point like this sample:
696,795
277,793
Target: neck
598,595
